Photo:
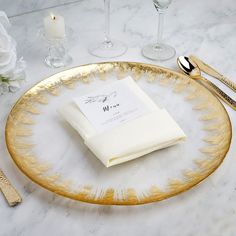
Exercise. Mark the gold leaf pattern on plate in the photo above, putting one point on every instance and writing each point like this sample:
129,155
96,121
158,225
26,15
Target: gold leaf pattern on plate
215,121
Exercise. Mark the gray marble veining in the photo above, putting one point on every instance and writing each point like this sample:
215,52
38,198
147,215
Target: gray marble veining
204,28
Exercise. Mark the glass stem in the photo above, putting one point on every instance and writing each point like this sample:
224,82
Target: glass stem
160,26
107,21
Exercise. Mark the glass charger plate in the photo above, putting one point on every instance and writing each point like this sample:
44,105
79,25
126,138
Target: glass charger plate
52,154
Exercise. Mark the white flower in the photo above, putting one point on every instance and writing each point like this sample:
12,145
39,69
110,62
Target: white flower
17,76
7,52
11,71
4,19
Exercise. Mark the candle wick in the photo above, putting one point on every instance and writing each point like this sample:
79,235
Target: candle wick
53,17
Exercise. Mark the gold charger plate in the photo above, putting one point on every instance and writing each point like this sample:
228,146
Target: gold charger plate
51,153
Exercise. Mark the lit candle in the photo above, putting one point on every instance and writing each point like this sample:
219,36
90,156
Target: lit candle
54,26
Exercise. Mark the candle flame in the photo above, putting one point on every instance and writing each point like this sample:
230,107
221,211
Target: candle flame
53,16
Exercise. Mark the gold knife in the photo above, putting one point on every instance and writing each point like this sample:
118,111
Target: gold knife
11,195
211,71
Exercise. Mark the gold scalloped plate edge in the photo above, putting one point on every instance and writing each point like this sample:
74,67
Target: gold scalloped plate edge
108,197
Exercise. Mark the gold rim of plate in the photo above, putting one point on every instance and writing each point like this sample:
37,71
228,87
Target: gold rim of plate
21,119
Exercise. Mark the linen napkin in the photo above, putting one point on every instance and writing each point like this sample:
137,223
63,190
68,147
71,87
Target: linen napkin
129,135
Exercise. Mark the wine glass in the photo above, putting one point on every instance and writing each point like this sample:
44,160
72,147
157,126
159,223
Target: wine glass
108,48
159,51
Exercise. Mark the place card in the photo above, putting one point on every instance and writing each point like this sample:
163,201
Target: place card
112,105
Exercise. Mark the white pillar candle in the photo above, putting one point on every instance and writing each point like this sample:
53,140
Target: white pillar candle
54,26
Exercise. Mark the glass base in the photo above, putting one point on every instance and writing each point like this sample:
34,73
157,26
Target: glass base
107,49
158,52
58,62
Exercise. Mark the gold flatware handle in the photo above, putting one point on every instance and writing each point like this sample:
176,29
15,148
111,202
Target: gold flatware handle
211,71
12,196
220,93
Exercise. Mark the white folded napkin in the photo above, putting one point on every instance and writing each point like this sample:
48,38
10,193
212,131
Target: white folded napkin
134,138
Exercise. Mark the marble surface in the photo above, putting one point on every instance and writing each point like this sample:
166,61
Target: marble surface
21,7
204,28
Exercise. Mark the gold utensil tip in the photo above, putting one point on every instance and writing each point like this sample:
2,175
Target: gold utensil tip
191,69
11,195
211,71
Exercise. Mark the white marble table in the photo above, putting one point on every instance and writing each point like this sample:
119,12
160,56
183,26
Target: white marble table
204,28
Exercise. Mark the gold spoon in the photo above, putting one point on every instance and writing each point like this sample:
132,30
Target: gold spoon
191,69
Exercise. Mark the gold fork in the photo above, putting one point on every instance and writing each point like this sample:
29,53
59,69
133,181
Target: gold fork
11,195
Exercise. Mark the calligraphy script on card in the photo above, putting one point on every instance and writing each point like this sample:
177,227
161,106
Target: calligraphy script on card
112,105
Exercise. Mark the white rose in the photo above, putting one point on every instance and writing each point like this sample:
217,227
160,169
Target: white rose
7,52
4,19
17,76
12,72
